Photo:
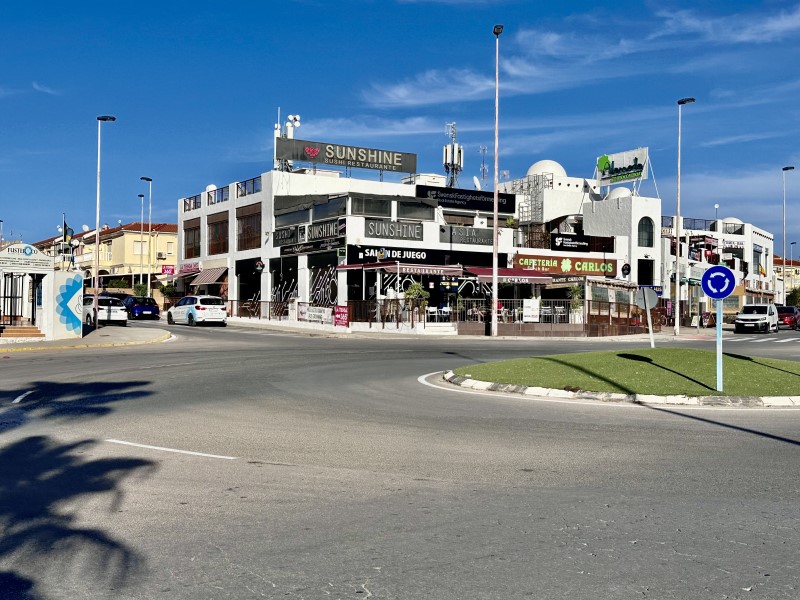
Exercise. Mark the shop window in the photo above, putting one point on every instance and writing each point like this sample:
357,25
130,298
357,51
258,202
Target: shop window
415,210
248,232
372,207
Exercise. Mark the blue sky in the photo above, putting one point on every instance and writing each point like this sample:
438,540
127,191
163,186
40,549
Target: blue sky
196,88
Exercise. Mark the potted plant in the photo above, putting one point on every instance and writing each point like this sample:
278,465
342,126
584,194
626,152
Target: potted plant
575,295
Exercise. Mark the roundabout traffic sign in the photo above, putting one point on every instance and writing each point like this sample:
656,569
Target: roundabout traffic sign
718,282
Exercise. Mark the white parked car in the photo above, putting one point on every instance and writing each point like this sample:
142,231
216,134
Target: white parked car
757,317
109,309
198,309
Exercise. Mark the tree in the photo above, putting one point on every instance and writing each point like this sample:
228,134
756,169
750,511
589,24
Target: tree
793,297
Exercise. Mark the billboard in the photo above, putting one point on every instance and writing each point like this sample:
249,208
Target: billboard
468,199
345,156
623,166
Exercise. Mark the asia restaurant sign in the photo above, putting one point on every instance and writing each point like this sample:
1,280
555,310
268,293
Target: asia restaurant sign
455,234
345,156
566,265
468,199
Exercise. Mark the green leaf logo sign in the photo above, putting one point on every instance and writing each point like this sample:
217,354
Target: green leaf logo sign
566,265
603,163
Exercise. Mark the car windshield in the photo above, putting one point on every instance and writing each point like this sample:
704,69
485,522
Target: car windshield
146,301
212,301
785,310
108,302
754,310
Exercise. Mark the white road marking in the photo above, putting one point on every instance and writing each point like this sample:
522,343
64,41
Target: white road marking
21,397
171,450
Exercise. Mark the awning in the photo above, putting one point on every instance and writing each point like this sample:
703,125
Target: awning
209,275
510,275
408,268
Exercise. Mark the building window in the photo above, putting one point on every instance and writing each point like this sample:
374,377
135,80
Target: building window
646,232
415,210
217,196
251,186
333,208
192,203
248,232
371,207
170,248
139,248
297,217
191,242
218,237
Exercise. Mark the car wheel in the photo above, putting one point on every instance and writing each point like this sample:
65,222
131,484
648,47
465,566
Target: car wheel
224,324
169,319
124,323
190,320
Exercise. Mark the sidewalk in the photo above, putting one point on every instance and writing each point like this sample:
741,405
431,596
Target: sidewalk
102,337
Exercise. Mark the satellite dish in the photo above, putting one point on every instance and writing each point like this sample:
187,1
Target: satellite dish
85,227
477,183
210,187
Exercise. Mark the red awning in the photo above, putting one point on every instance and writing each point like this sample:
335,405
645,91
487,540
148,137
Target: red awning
510,275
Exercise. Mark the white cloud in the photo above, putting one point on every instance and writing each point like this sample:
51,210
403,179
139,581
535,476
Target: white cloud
744,137
739,28
45,89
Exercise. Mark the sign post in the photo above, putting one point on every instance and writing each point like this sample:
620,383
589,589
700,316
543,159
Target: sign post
718,283
646,299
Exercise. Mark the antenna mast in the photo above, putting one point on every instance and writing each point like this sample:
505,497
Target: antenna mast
453,156
484,168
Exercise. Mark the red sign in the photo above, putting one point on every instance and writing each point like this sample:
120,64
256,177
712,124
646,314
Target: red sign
168,269
341,316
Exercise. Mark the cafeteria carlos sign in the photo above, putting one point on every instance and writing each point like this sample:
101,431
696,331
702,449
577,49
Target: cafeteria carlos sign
566,265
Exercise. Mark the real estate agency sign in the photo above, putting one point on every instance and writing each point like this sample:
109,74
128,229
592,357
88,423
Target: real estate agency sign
622,166
567,265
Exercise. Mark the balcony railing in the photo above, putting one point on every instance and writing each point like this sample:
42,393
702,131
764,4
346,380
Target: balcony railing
192,203
251,186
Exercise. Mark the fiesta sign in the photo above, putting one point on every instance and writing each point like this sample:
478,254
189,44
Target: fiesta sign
566,265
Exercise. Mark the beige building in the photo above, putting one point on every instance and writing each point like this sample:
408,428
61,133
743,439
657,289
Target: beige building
129,252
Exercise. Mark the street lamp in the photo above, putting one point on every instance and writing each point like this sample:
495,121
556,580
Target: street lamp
498,29
681,102
141,241
100,120
149,230
783,258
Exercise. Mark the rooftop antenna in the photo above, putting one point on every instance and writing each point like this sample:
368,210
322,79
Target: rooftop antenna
285,131
484,168
453,156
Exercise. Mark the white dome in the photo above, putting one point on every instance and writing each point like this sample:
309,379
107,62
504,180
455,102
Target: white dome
547,166
732,220
619,192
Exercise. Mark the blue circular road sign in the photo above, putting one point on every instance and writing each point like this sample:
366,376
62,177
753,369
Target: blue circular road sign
718,282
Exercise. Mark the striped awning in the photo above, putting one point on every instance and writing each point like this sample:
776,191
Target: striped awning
209,275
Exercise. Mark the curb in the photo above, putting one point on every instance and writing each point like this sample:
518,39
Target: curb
6,349
676,400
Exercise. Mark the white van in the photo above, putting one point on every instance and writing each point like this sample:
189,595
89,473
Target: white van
757,317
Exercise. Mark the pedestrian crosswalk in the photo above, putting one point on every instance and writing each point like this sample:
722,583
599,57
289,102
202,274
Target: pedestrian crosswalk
763,338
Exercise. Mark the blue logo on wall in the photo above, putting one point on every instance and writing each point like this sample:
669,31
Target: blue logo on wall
28,250
64,311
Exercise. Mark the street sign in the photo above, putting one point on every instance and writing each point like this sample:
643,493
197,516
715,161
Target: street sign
718,282
646,294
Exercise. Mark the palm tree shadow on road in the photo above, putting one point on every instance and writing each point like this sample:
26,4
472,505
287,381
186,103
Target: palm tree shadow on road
41,483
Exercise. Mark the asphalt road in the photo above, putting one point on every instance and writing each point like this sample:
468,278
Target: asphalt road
322,467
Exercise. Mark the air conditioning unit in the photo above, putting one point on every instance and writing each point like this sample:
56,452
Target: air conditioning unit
161,255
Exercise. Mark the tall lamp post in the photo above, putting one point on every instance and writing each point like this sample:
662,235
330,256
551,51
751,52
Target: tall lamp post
498,29
783,258
681,102
141,241
149,230
100,120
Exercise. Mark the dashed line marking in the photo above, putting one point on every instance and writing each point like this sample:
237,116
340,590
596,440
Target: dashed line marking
162,449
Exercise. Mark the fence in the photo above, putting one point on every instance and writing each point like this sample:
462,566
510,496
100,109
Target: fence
576,318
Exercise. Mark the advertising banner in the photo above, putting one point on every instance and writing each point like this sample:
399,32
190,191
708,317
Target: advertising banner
468,199
68,289
623,166
571,242
567,265
341,316
345,156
